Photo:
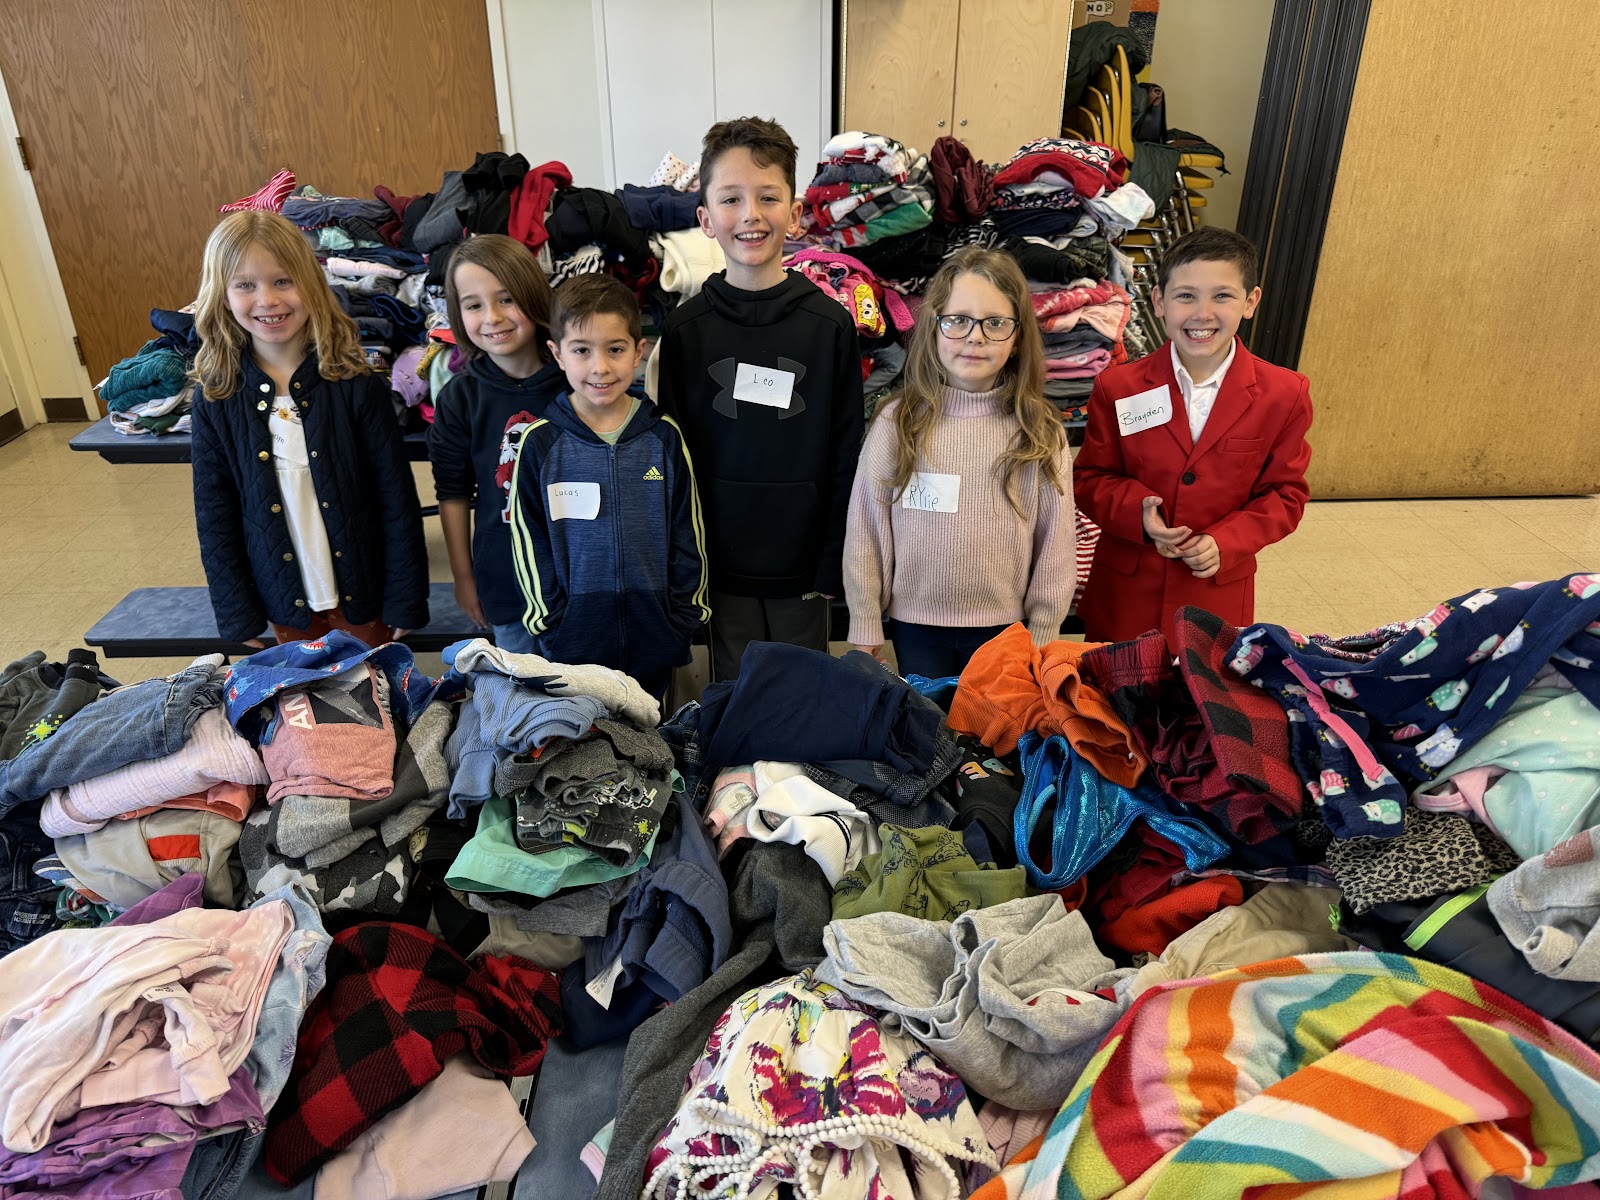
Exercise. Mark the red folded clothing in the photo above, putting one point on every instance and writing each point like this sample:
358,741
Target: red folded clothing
398,1005
1148,928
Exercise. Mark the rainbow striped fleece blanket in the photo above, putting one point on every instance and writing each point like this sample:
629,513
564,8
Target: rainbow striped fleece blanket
1351,1075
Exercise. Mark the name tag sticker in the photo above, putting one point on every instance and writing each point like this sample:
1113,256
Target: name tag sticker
573,501
1144,411
763,385
929,492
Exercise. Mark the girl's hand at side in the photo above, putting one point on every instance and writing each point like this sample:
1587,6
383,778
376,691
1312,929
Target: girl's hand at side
875,651
467,601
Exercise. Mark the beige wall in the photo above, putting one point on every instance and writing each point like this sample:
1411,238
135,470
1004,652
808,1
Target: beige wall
1450,343
1208,57
36,354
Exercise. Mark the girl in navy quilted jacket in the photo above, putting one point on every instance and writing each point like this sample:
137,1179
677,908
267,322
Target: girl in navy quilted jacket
305,503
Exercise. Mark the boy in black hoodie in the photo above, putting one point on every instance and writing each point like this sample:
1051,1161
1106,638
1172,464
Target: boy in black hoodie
762,372
499,305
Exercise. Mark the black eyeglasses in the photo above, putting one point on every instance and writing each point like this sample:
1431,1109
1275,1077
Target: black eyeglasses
995,329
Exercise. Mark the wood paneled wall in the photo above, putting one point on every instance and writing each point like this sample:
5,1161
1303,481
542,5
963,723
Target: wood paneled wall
142,117
1450,344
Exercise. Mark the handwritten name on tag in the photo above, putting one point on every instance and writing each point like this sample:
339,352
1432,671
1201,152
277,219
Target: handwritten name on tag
573,501
763,385
1144,411
929,492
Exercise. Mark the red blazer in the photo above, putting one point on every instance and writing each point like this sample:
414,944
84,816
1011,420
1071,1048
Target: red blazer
1244,484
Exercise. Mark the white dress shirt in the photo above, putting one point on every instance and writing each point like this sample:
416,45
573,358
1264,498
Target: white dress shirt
1200,398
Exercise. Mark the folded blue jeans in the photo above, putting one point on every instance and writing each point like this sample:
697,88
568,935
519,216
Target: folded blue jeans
132,724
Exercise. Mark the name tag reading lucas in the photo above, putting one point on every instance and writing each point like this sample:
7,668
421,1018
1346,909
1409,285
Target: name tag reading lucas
572,501
763,385
928,492
1144,411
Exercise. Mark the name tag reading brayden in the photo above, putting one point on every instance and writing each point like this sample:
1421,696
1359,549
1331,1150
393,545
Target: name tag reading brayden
1144,411
929,492
763,385
572,501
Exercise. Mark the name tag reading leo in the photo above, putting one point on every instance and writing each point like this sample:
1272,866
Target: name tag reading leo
763,385
573,501
1144,411
929,492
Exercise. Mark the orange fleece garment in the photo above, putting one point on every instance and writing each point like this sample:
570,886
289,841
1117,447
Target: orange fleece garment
1011,686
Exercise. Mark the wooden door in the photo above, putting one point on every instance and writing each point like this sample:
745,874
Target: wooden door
1011,68
141,118
900,68
1450,339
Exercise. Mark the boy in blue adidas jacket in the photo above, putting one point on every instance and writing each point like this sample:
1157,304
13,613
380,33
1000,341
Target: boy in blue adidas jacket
606,530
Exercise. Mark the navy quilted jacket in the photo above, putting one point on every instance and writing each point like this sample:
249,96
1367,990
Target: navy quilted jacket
369,500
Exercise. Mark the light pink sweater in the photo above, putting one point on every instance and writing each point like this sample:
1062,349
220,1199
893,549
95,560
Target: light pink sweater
978,565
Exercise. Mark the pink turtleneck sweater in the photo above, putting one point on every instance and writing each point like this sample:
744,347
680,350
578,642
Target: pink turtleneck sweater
979,564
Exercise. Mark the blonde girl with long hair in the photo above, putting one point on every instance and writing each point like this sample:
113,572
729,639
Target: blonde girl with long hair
304,501
961,518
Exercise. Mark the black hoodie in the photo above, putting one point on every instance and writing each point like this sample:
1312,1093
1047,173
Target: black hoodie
464,446
774,476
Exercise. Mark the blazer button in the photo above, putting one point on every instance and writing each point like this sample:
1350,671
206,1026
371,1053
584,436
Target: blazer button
264,455
1188,477
277,508
313,454
299,603
297,387
324,504
261,407
338,553
266,387
288,558
347,599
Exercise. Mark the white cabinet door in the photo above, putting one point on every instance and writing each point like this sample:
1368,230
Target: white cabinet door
774,58
658,81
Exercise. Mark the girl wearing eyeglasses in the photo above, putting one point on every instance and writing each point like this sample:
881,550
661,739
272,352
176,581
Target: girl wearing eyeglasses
961,516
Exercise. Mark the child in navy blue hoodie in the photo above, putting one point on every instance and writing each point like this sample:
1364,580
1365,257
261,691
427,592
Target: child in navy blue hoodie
606,528
499,306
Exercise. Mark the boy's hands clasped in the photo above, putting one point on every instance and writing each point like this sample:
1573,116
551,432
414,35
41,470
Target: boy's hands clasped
1198,551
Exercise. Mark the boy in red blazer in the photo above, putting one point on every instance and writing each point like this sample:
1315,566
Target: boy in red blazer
1195,457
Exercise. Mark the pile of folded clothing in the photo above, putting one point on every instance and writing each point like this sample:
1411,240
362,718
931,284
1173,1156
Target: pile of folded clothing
883,320
1081,324
869,187
564,766
605,790
1050,208
367,254
150,392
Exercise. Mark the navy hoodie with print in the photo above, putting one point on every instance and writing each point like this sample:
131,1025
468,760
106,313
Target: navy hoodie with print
464,446
775,472
609,542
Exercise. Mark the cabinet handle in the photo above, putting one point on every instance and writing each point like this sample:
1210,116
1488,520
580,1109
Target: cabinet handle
941,124
963,120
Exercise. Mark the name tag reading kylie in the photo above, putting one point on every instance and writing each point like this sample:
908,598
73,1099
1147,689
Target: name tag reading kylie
929,492
572,501
763,385
1144,411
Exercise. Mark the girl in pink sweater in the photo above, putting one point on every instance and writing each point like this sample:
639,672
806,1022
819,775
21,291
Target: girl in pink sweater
961,516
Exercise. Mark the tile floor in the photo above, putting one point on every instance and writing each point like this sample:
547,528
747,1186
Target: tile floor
77,534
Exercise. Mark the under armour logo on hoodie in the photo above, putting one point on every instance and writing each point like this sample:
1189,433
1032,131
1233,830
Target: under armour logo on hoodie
724,371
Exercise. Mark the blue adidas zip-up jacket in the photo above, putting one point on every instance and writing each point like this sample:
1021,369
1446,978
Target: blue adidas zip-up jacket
609,541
